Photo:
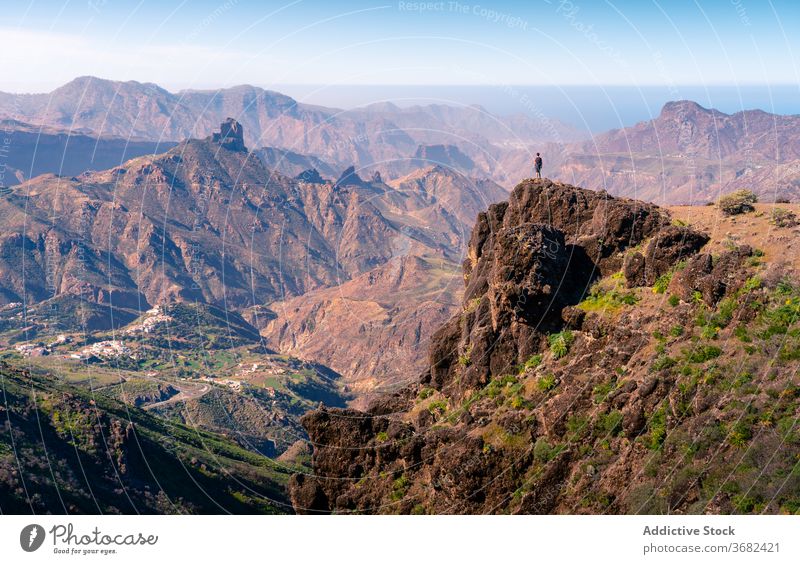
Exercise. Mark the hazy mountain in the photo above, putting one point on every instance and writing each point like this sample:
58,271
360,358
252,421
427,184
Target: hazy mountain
689,154
30,151
376,137
474,122
207,221
294,164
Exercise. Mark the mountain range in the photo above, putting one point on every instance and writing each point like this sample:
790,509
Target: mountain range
381,136
687,154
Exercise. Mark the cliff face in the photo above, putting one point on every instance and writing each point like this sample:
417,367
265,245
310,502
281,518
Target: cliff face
600,364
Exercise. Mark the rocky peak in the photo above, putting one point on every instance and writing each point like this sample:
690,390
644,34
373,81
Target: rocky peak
683,110
230,136
311,176
349,178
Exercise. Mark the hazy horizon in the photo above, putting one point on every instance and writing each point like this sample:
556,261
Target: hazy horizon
589,108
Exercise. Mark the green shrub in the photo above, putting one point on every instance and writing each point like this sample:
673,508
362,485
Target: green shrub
497,385
531,363
709,332
465,360
547,382
577,425
662,282
737,202
702,353
399,487
425,393
382,437
439,406
673,300
662,362
601,391
517,402
560,343
607,300
752,283
610,423
676,330
657,428
545,452
739,434
781,217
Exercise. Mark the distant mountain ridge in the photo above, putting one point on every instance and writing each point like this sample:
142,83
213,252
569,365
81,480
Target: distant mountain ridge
690,154
33,150
372,137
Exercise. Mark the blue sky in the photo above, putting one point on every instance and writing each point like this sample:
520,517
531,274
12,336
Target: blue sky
208,43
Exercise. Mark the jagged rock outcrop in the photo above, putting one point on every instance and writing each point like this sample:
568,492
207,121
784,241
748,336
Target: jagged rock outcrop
668,248
230,136
711,277
528,259
350,177
310,176
544,397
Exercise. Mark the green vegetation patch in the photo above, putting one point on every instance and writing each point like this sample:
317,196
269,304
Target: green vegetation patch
560,343
737,202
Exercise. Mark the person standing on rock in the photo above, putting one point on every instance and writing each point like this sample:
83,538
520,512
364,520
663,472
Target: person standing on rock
537,165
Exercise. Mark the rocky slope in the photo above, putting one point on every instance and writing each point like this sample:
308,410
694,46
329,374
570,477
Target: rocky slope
374,328
603,362
689,154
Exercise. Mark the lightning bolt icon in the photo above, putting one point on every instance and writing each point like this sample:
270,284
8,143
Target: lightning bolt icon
34,534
